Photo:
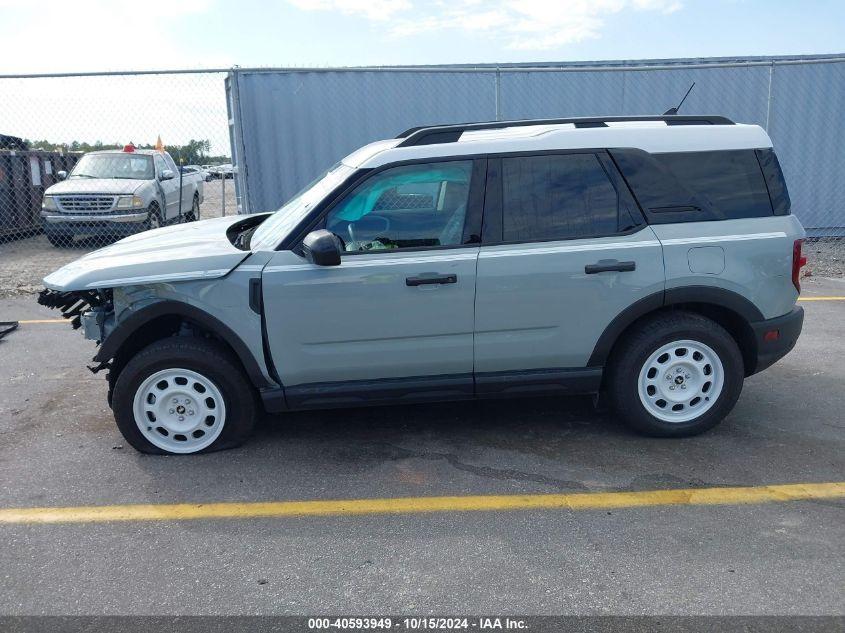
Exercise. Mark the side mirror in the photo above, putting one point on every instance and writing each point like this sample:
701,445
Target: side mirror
61,174
167,174
322,248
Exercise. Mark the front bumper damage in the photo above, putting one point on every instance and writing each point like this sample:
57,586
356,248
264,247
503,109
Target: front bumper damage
86,309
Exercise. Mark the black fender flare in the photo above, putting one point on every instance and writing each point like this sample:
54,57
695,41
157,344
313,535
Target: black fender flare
687,294
126,328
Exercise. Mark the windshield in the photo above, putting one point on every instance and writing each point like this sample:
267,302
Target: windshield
274,229
122,166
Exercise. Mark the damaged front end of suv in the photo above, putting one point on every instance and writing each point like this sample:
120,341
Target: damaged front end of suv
91,310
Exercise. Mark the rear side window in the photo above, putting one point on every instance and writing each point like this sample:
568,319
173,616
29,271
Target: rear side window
559,197
696,186
730,182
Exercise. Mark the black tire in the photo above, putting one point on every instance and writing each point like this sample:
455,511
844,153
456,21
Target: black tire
154,219
60,241
206,357
194,214
645,339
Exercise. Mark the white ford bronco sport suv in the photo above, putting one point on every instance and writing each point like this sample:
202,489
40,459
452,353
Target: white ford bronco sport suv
651,260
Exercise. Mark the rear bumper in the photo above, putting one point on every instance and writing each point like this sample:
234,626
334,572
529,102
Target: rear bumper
772,347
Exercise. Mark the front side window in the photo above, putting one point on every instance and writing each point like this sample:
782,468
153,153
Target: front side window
559,197
405,207
160,167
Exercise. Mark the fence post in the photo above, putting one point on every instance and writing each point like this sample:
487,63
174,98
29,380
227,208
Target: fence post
769,96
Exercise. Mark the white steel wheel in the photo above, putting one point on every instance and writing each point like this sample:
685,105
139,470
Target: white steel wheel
179,410
680,381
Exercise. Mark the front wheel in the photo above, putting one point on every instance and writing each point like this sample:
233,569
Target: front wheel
59,240
154,220
676,374
183,395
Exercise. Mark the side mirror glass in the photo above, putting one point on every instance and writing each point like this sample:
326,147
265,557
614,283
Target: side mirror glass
322,248
61,175
167,174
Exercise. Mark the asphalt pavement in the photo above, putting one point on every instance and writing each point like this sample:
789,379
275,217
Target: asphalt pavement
59,447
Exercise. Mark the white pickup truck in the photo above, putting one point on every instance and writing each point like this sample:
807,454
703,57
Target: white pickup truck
115,193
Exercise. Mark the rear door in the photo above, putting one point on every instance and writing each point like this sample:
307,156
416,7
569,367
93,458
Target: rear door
568,251
395,318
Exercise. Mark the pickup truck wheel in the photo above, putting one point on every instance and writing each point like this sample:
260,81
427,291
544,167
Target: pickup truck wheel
60,241
675,375
184,395
154,218
194,213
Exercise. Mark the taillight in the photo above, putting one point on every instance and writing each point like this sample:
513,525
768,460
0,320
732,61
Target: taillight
798,261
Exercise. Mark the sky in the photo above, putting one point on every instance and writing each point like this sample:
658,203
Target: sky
59,36
89,35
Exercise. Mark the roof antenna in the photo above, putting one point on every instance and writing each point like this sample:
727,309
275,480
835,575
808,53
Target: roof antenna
678,107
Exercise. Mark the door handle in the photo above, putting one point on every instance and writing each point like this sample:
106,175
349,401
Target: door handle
609,265
430,278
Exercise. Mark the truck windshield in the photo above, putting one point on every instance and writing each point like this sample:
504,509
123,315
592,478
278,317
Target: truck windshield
274,229
123,166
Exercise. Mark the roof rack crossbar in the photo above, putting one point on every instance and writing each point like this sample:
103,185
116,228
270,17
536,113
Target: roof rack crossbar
427,135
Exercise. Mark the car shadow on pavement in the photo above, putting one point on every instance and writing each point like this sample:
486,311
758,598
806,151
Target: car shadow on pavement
535,425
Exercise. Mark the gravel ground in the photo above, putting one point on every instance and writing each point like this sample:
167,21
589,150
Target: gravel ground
825,257
25,262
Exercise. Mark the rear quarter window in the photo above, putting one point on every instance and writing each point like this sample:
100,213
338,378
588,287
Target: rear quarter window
697,186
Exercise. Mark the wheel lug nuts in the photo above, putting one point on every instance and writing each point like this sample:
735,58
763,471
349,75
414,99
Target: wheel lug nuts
187,401
181,418
191,412
672,388
683,386
175,400
172,411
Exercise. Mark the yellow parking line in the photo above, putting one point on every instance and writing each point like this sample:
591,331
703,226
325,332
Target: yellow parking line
408,505
821,299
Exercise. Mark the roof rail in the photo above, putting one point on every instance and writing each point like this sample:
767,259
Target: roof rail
428,135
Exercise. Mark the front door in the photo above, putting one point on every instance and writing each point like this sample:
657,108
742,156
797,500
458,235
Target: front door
395,319
169,190
573,253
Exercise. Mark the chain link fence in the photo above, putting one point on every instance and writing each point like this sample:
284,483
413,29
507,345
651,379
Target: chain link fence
79,167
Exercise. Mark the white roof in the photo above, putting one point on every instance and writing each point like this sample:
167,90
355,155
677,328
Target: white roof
652,136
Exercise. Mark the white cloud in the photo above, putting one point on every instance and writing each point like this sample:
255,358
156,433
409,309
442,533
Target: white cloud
371,9
57,35
520,24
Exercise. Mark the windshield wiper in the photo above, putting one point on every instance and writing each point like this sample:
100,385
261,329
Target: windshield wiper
82,176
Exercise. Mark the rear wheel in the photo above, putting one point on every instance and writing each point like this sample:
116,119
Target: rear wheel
194,214
675,375
183,395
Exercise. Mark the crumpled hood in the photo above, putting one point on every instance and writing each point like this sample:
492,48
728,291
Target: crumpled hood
114,186
196,250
